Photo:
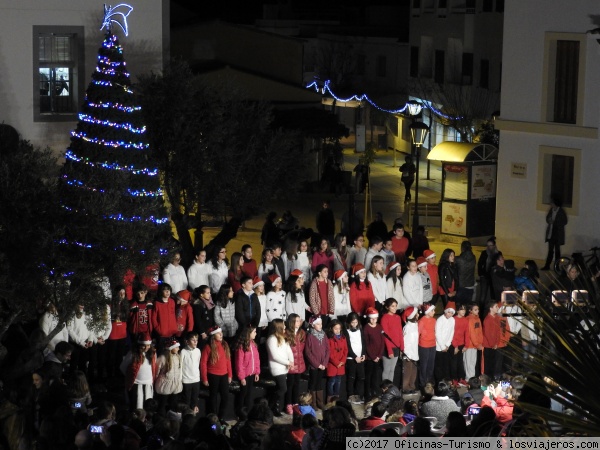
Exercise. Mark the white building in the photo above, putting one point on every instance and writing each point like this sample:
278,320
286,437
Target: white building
549,124
48,52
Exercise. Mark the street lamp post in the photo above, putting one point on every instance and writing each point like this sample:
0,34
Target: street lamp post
418,133
413,108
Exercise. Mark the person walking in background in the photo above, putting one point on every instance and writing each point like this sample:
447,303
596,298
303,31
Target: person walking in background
556,221
408,171
326,221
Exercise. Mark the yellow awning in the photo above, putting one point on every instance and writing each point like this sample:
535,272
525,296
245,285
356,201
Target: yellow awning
463,152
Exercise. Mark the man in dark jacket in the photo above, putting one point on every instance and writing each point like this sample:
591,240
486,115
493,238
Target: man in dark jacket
247,305
326,222
389,392
556,220
465,266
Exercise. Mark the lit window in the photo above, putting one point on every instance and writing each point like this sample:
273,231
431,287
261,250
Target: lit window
58,54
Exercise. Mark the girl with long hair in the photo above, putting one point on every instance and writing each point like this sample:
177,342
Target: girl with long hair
448,276
266,266
340,252
317,355
377,279
341,295
296,338
169,378
412,285
411,349
276,300
216,372
289,257
320,295
225,312
394,284
79,392
295,301
139,368
219,269
394,340
375,344
236,272
304,260
361,291
323,255
247,365
355,370
338,353
281,358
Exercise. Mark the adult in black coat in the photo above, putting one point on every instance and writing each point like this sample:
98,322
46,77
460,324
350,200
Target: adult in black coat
326,222
556,220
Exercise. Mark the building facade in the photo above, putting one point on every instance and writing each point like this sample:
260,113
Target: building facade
48,53
549,124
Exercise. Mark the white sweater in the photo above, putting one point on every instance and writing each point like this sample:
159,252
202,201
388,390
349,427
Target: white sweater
342,302
296,308
514,323
176,277
197,274
411,340
444,332
412,288
280,356
48,322
396,292
78,330
264,321
275,306
218,276
190,365
379,286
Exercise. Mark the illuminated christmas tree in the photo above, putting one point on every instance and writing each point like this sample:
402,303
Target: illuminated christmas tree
109,185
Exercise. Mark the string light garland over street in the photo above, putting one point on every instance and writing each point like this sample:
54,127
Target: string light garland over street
326,89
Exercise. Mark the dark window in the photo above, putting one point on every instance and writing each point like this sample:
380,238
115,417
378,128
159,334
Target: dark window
439,67
471,4
442,4
488,5
414,62
417,4
58,55
381,66
360,64
565,84
467,68
500,6
484,74
561,184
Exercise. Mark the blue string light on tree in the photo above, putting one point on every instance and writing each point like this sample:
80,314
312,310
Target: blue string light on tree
110,188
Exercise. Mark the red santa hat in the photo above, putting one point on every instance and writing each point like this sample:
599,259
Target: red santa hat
339,274
256,282
409,313
421,261
357,268
428,254
297,273
372,313
315,319
273,278
144,339
214,330
450,306
428,307
184,295
391,266
173,343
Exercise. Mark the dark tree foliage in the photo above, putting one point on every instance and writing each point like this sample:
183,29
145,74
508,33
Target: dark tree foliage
109,185
219,153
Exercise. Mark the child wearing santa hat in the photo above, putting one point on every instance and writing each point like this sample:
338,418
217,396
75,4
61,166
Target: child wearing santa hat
375,347
427,344
411,349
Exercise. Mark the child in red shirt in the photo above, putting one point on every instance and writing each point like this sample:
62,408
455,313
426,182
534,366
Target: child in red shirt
426,344
215,371
361,291
491,339
338,353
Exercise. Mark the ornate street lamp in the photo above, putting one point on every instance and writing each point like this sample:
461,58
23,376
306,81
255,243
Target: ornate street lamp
418,133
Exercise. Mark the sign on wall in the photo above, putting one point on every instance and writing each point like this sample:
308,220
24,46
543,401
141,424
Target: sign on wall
483,182
518,170
454,218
